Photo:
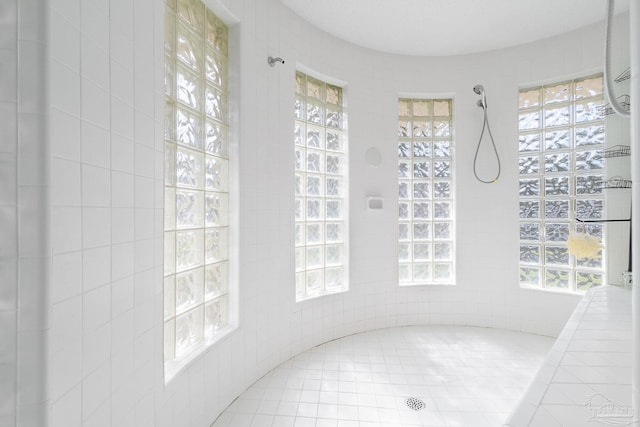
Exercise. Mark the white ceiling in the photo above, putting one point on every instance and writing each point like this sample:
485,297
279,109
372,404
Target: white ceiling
448,27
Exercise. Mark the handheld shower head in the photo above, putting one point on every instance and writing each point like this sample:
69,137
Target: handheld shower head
479,90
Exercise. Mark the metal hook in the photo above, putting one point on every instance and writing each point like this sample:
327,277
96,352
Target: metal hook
272,61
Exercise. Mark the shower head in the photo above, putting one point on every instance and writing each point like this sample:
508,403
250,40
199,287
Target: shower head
478,89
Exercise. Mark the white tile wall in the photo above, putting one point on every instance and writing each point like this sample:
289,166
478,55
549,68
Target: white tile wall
90,166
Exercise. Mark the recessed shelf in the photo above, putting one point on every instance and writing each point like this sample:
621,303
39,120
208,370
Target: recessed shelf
625,75
617,182
623,100
617,151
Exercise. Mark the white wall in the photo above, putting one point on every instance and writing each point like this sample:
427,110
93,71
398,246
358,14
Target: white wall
105,141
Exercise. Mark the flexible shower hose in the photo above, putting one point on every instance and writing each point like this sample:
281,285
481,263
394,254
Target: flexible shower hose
608,82
485,125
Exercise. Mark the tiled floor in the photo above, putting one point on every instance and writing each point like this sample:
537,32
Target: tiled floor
465,376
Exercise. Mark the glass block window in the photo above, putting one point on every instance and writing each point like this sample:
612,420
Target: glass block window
426,215
321,164
562,172
196,191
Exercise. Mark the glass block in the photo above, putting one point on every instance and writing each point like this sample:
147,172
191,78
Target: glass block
335,232
404,128
529,99
334,118
442,272
403,210
557,140
442,107
529,231
586,281
556,278
299,211
588,111
217,34
169,77
403,190
189,209
421,149
589,87
315,282
556,186
589,135
404,150
421,272
441,128
299,185
315,88
530,253
315,161
529,209
529,164
403,169
593,229
334,209
556,255
556,209
215,68
170,121
315,256
188,129
189,330
315,113
589,160
191,12
589,184
404,273
529,120
421,107
189,289
216,139
421,128
298,109
557,116
314,185
189,88
170,340
334,95
315,137
421,251
216,316
334,255
216,280
216,244
442,210
404,252
556,162
216,209
299,154
590,262
529,142
404,107
441,189
529,187
217,173
403,231
442,169
442,251
420,210
300,238
421,190
315,233
169,32
421,230
589,208
442,230
421,169
298,131
335,164
169,209
189,251
442,148
301,262
189,47
215,104
556,232
169,295
557,93
335,141
314,209
334,278
189,165
169,253
334,187
529,276
301,84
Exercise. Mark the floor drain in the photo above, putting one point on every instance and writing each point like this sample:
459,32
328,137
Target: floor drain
415,403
